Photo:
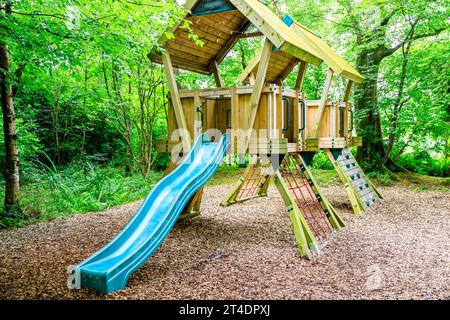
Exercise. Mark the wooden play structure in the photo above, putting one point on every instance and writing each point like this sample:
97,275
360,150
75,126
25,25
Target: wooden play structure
288,128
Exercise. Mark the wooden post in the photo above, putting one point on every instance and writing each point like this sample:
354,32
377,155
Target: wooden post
306,241
217,76
298,88
279,109
322,104
198,126
259,84
296,119
334,117
301,76
234,119
176,101
348,91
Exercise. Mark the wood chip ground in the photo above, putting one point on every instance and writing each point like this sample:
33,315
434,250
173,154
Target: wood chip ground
399,250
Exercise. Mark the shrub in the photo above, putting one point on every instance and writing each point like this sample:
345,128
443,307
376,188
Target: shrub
423,163
78,188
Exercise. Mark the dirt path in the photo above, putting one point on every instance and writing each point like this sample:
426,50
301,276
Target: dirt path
400,249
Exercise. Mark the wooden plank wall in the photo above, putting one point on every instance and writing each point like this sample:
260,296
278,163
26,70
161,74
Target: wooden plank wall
215,115
324,127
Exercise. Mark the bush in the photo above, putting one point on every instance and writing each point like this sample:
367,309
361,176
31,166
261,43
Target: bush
321,161
78,188
423,163
381,178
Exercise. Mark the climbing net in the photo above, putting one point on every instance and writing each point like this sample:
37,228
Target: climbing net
294,173
255,181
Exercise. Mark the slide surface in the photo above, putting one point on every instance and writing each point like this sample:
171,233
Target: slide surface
109,268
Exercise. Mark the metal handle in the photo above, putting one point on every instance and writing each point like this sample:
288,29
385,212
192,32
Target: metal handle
288,114
350,129
229,118
199,110
303,107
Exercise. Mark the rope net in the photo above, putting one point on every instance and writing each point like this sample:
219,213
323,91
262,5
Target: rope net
254,181
308,202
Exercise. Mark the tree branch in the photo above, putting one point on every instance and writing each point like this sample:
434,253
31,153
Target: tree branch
335,22
57,16
155,5
389,51
388,18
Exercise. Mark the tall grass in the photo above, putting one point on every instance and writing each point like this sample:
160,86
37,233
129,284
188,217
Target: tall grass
49,192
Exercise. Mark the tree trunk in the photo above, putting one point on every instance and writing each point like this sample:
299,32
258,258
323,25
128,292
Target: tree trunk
371,153
11,169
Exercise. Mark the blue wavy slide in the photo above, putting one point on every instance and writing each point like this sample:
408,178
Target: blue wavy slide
109,268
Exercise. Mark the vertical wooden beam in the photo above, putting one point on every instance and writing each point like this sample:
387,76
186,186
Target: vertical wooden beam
296,119
279,109
345,122
333,114
235,125
198,126
297,114
300,76
217,76
259,84
322,104
210,115
348,91
176,101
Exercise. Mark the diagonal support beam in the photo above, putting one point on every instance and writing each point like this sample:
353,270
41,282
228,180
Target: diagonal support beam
176,101
216,72
300,76
322,103
231,42
258,87
288,69
348,91
307,243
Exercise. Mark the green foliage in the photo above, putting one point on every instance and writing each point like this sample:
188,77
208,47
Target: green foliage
227,175
77,188
321,161
423,163
89,105
421,188
326,177
371,32
380,178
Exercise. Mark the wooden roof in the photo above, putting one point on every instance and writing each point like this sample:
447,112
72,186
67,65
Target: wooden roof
325,52
280,67
220,24
277,31
216,31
